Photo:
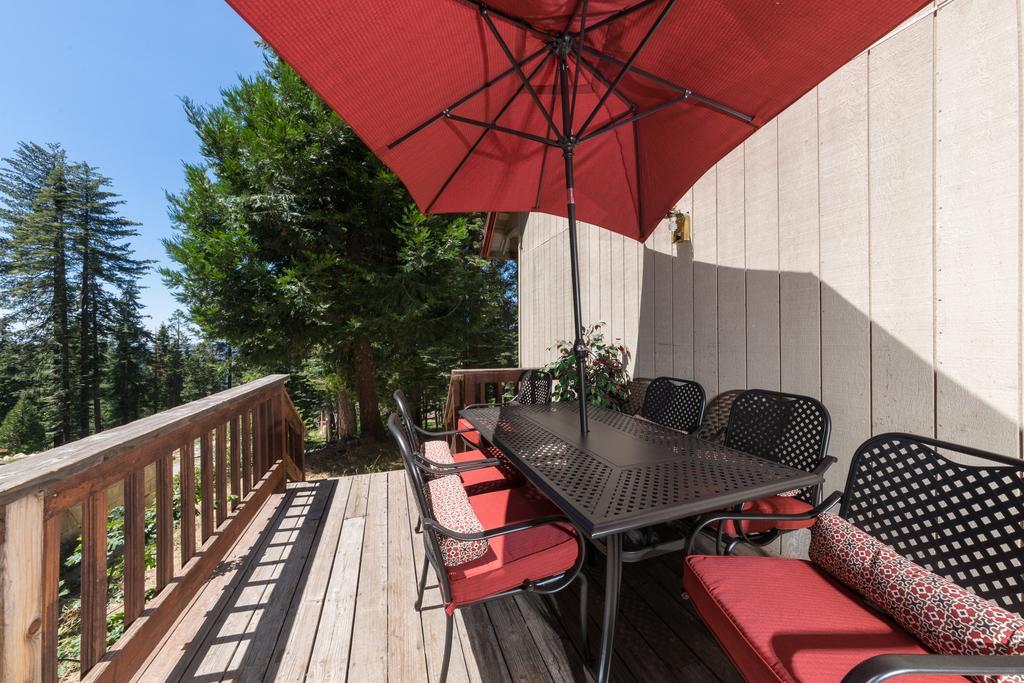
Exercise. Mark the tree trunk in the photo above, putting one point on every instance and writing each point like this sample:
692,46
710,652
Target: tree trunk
94,371
85,351
346,412
366,388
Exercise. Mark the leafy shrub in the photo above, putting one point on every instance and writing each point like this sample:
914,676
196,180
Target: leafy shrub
605,370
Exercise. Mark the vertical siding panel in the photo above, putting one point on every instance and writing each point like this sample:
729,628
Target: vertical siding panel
900,74
605,276
705,282
799,288
661,250
682,300
732,342
978,230
761,185
616,277
587,270
646,343
845,304
631,300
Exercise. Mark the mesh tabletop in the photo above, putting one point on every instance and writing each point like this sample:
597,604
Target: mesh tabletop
626,473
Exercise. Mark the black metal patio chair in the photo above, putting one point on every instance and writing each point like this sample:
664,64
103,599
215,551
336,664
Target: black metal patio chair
716,416
536,543
787,428
955,511
674,403
533,388
637,391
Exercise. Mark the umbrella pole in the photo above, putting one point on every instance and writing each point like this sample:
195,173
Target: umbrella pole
568,143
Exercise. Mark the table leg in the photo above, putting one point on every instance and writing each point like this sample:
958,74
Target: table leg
612,583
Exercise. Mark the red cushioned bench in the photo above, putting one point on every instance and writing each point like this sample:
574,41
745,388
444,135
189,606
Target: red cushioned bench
920,576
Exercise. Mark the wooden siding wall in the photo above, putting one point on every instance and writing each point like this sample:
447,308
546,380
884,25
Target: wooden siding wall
865,247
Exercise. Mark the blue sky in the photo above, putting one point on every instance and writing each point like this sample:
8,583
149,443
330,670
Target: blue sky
104,79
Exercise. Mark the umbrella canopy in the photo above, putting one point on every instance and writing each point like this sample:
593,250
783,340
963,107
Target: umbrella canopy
605,109
391,69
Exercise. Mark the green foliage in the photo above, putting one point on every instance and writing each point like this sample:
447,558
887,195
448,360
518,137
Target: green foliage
295,244
64,261
22,429
605,369
127,380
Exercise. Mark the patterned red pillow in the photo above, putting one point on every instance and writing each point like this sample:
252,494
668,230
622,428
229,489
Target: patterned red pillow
949,619
438,451
945,617
452,510
843,550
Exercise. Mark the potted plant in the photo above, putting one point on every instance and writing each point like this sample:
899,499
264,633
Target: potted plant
606,374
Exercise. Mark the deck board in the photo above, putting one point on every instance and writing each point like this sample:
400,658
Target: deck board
321,586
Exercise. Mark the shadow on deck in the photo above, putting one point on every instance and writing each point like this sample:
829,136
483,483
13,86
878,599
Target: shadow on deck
321,587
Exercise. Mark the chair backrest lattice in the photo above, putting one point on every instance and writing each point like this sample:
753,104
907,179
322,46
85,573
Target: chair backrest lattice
637,391
786,428
675,403
534,388
962,521
716,416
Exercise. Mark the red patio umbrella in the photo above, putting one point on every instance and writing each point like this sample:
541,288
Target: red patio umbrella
472,104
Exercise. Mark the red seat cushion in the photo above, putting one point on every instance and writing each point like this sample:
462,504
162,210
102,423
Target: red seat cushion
472,436
782,619
485,479
533,554
771,505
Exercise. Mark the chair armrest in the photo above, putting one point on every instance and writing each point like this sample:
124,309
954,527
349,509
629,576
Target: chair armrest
829,502
434,468
451,432
550,584
825,463
883,667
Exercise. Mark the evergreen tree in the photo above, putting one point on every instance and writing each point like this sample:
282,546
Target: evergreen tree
202,372
295,241
36,262
105,264
126,374
22,428
15,366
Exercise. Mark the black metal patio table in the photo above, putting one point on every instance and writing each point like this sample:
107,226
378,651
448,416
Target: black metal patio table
626,473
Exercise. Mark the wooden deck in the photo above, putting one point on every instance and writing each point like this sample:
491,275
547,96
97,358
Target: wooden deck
321,587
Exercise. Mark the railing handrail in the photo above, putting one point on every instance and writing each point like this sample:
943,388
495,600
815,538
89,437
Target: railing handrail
44,470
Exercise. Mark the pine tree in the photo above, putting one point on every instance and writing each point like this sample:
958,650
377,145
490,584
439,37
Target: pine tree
104,259
37,261
22,428
126,364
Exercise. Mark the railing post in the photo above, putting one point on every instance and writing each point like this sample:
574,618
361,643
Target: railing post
51,596
21,564
94,578
134,545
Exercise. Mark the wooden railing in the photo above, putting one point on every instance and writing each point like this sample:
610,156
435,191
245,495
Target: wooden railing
469,386
249,438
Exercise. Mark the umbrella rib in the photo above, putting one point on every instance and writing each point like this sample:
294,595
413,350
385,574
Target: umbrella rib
622,13
579,52
621,121
544,156
465,98
480,139
718,106
629,63
601,77
502,129
485,13
512,19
